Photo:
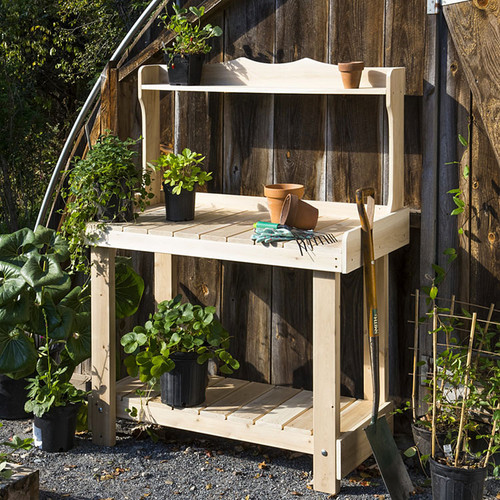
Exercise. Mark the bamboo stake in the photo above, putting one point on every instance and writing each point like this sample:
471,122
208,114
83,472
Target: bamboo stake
415,359
434,379
466,392
486,326
447,333
492,437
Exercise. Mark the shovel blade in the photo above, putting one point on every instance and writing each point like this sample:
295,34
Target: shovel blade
389,461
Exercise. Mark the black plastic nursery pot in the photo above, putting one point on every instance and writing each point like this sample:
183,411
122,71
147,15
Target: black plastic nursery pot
55,430
185,70
423,438
117,209
455,483
179,207
13,396
185,385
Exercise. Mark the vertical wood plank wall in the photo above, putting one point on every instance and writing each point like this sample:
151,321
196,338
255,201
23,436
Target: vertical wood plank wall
333,145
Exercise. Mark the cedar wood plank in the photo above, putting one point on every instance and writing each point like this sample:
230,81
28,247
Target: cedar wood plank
248,143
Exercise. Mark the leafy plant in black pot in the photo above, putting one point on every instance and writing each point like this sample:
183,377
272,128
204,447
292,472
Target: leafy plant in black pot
44,322
465,387
105,186
181,174
186,55
174,346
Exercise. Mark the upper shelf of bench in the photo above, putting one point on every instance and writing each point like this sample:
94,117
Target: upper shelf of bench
242,75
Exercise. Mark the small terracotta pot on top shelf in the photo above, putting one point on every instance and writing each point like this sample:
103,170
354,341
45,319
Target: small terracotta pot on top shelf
351,73
276,194
298,213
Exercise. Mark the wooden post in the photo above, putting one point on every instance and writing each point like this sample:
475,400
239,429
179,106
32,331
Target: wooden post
382,280
165,277
103,404
150,106
326,380
109,100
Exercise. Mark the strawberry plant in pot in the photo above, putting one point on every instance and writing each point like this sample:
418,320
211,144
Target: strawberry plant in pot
105,186
181,174
174,347
186,55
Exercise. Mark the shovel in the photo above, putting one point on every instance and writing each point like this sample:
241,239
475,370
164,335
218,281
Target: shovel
386,453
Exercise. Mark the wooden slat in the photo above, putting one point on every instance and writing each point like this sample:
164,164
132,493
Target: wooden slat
224,407
281,415
219,391
477,39
262,405
303,424
405,41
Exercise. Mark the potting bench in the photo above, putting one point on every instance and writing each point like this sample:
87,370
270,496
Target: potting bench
331,429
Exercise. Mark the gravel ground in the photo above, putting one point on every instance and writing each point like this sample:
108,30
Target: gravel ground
188,466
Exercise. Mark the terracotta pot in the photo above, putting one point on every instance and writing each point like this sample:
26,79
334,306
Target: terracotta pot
298,213
351,73
276,194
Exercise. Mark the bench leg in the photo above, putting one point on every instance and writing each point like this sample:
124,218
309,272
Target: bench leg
103,400
326,380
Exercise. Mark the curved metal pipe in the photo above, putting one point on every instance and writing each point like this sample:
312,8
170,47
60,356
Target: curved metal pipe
85,109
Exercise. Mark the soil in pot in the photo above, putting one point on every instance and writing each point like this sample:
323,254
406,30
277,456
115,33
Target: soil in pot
13,396
456,483
185,385
179,207
276,194
185,70
55,430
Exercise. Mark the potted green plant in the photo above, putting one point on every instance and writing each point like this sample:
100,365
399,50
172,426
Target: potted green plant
181,174
44,321
186,55
174,347
465,389
105,186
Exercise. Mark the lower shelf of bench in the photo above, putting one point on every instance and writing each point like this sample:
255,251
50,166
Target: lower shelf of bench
257,413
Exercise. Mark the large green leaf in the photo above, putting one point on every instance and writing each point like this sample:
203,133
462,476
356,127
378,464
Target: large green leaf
59,289
129,287
12,246
18,355
51,243
11,282
77,299
17,311
64,329
42,271
79,342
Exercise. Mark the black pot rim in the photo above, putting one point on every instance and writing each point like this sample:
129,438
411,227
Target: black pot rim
461,469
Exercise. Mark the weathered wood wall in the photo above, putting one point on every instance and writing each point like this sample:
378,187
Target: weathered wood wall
333,145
